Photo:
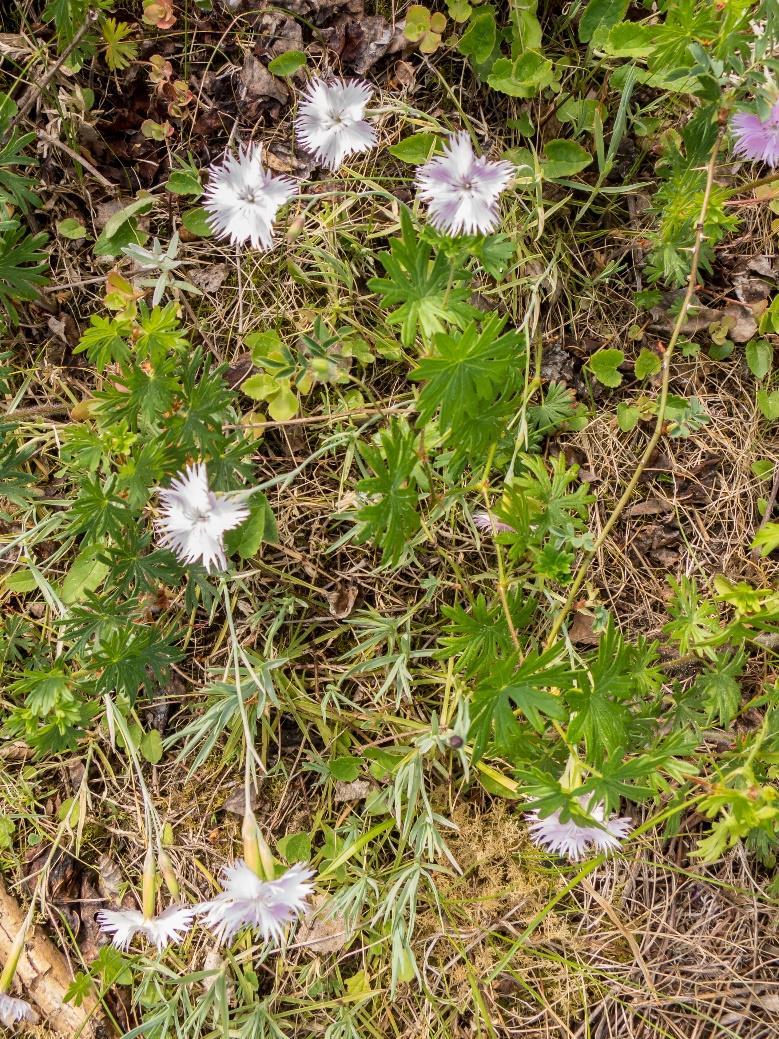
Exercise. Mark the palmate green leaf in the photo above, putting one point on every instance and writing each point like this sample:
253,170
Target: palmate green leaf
621,775
719,688
132,657
425,290
543,497
766,540
118,50
17,485
390,519
468,371
599,720
137,567
140,396
53,713
22,263
476,638
16,188
99,510
524,688
105,341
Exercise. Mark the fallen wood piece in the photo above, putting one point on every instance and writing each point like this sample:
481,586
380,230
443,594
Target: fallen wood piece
45,977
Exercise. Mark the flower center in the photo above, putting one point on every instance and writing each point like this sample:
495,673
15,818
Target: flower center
248,195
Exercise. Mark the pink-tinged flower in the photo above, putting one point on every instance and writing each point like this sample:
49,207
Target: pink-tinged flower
756,139
12,1011
484,521
193,519
169,927
462,189
331,122
263,905
575,842
243,199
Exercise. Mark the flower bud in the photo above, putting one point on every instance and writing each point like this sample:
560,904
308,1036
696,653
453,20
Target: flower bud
168,873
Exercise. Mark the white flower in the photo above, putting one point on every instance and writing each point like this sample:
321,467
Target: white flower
243,199
193,519
331,123
573,841
170,926
14,1010
461,189
483,521
264,905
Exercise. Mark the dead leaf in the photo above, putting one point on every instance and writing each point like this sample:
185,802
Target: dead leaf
257,83
236,803
109,877
341,599
763,265
238,370
741,321
324,934
581,633
403,75
650,507
209,279
64,327
354,791
698,320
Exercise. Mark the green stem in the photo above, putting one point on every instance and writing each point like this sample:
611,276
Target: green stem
584,566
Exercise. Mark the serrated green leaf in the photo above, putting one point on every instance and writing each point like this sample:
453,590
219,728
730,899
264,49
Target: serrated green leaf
142,204
600,14
524,77
767,539
85,575
284,405
263,344
184,182
647,363
627,416
346,768
630,40
478,40
295,847
259,528
604,365
768,402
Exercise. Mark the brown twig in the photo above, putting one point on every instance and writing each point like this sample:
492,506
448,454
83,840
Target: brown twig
57,143
37,89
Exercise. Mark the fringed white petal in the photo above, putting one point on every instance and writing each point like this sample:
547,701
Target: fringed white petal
13,1010
193,519
242,199
331,121
575,842
168,928
266,906
462,189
